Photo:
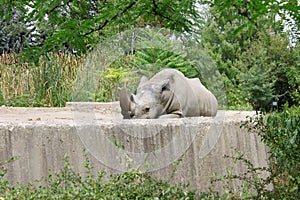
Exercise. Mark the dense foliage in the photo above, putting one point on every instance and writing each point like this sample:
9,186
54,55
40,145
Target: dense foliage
250,12
48,84
78,25
280,132
257,64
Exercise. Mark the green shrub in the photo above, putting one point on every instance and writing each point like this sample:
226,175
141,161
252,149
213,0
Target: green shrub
282,135
280,131
67,184
258,87
2,101
293,76
112,80
151,60
254,183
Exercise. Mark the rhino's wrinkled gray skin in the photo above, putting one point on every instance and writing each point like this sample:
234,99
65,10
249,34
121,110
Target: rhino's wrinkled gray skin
168,94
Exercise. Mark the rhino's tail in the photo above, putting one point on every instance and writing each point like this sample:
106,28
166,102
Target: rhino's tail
125,103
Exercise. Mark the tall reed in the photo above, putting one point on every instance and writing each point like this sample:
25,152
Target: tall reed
48,84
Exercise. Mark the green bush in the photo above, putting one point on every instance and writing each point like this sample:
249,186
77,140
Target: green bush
67,184
280,131
282,135
258,87
252,184
2,101
293,76
113,78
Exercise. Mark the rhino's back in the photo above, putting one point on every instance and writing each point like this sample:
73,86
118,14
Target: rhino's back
171,74
207,104
194,99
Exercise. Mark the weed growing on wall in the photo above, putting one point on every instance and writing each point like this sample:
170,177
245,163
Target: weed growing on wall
253,183
68,184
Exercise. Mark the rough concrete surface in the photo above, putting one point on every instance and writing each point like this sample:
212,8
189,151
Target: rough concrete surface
41,137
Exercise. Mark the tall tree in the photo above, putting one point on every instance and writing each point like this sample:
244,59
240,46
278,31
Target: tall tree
15,33
81,24
255,62
251,11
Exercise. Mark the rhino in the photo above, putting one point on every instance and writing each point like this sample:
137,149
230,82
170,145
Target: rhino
168,94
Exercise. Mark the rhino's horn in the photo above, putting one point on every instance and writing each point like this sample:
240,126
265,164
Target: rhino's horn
125,103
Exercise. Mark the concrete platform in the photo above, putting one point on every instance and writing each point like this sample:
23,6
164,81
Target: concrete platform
41,137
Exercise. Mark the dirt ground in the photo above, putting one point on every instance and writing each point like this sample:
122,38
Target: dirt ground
103,111
22,114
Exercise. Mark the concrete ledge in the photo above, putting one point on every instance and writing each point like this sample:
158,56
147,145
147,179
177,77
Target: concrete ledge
41,137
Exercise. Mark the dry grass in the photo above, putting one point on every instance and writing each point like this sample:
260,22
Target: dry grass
49,84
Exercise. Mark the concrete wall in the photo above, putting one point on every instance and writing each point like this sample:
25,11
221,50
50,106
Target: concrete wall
195,146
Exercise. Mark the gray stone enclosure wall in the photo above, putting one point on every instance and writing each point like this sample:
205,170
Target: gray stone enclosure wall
40,138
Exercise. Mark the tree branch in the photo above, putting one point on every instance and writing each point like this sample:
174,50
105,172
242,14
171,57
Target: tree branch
57,6
157,13
112,18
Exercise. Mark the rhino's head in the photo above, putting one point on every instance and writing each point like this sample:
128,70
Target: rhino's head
148,103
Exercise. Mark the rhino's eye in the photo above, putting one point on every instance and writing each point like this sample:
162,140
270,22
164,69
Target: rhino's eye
147,109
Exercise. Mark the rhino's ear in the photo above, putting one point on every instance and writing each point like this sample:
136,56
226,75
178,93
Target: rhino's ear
165,85
132,98
143,80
